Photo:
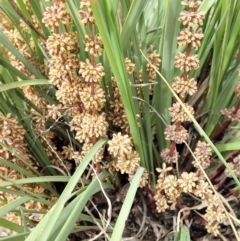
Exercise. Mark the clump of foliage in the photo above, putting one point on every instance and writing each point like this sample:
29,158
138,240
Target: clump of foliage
119,105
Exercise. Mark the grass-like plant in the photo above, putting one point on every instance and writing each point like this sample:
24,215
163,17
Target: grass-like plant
137,101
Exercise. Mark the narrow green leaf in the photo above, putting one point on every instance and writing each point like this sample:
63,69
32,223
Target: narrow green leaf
18,237
126,207
10,225
167,50
136,9
18,84
36,180
73,216
185,235
14,204
58,207
231,146
15,52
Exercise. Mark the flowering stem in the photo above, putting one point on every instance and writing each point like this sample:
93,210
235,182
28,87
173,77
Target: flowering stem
148,190
223,179
216,173
225,125
220,130
172,148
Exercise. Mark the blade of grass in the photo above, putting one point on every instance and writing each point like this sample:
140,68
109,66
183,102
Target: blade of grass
18,237
136,9
232,146
185,235
69,209
223,100
73,216
18,84
167,50
10,225
219,53
57,209
37,9
12,69
108,30
126,207
7,44
73,10
145,122
64,216
14,204
37,180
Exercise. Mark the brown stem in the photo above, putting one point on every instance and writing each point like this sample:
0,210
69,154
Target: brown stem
224,125
180,206
149,190
79,107
216,173
98,167
237,108
185,77
217,186
172,148
220,130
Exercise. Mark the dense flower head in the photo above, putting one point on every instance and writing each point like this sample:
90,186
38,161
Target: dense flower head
91,73
191,4
87,146
125,159
215,211
235,166
187,182
188,36
128,163
183,87
92,126
129,66
161,202
68,94
56,15
94,45
155,60
237,89
177,113
15,38
76,121
60,44
171,188
213,227
203,190
86,17
54,111
190,18
186,63
120,145
165,155
176,134
231,114
92,99
144,179
61,69
203,153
